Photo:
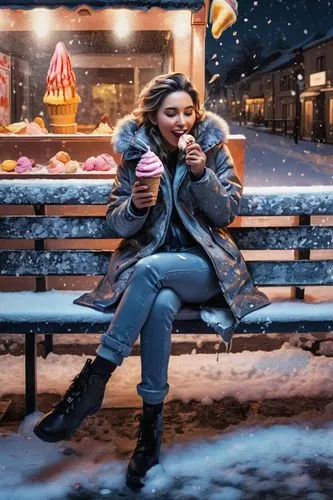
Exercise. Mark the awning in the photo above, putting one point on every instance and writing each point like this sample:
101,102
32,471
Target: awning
309,94
103,4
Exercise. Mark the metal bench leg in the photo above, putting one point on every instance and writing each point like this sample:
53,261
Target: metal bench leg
30,373
303,254
48,344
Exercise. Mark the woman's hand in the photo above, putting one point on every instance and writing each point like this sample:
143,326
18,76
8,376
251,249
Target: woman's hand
141,197
195,158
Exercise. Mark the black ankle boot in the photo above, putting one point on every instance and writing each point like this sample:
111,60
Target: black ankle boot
147,451
84,397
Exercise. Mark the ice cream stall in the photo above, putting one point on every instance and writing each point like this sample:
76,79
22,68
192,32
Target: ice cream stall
68,72
71,70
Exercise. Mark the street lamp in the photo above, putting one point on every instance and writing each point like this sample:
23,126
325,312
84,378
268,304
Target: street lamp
297,120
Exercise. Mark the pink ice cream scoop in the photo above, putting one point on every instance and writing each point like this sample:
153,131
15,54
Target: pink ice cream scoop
34,129
56,166
109,159
89,164
149,166
23,165
101,163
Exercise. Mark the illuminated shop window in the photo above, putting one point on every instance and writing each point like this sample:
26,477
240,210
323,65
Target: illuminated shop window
111,66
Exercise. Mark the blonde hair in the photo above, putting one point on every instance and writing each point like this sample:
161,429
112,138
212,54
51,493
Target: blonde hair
150,101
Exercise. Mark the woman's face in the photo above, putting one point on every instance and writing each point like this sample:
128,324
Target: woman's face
175,117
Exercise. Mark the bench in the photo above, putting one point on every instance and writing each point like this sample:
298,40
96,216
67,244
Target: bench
42,311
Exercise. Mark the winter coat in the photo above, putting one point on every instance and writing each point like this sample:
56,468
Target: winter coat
206,207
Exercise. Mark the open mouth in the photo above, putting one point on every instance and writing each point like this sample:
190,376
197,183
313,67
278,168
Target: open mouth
178,134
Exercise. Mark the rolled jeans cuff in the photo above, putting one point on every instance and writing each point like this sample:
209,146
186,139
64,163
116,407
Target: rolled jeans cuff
112,350
152,397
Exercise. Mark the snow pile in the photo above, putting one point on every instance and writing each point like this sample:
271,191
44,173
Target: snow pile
252,462
199,377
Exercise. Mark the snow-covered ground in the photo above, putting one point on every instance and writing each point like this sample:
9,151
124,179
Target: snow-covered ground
241,463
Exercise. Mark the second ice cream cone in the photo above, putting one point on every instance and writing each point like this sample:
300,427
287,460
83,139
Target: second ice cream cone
223,13
153,184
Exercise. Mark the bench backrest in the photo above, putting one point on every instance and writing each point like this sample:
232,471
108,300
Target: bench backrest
256,202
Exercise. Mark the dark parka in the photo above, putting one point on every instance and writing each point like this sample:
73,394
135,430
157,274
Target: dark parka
206,207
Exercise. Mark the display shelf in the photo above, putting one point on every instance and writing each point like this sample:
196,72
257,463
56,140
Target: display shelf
41,148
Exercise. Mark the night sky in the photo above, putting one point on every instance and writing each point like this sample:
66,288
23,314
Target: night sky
293,20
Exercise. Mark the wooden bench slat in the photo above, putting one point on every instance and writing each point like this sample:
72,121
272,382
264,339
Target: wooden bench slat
279,200
94,263
274,238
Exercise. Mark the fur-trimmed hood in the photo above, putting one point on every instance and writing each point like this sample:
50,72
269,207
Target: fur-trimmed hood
210,132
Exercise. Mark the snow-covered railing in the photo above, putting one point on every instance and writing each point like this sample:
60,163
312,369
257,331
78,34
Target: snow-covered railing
276,200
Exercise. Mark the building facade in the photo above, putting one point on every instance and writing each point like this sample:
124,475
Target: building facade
291,94
317,98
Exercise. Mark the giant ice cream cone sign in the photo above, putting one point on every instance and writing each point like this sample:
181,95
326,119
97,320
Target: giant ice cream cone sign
223,13
61,97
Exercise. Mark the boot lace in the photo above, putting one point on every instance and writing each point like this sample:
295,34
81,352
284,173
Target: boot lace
145,433
73,394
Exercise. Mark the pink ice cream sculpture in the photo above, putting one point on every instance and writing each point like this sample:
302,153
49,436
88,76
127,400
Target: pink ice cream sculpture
149,171
23,165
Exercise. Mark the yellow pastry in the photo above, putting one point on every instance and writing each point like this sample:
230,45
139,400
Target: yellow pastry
17,128
8,165
102,129
39,120
104,126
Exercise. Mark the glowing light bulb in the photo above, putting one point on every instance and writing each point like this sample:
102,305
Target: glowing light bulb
123,25
41,22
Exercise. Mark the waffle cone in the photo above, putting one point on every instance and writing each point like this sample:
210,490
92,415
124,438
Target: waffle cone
62,118
153,184
223,16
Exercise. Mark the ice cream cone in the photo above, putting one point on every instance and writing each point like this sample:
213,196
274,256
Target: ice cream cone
223,13
153,184
62,118
61,97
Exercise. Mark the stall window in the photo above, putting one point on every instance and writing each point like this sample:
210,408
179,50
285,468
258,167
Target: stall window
110,71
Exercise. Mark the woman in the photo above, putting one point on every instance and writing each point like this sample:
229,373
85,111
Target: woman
174,251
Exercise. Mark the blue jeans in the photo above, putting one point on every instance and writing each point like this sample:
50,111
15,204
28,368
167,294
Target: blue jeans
156,291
